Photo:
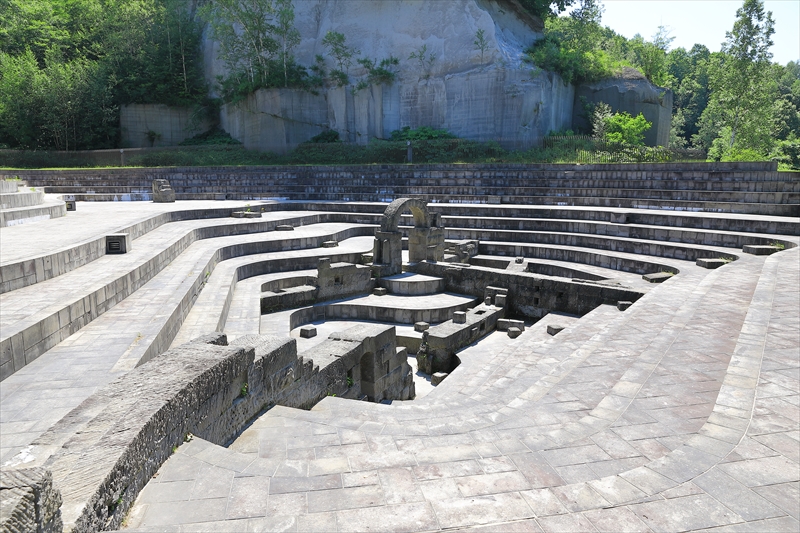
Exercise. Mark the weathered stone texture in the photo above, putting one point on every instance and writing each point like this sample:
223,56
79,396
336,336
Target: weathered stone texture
28,501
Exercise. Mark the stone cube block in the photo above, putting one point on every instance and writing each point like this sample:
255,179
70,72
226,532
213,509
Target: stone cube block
438,377
623,305
380,291
710,263
459,317
421,326
500,300
514,332
71,205
519,260
657,277
554,329
760,249
307,332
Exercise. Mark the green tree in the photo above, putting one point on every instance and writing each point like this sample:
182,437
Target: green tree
287,34
742,90
480,43
342,55
244,31
622,128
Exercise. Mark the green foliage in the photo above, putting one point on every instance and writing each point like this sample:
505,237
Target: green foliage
787,153
577,47
743,91
212,137
424,61
256,39
480,43
378,73
327,136
546,8
342,55
67,65
420,134
64,105
622,128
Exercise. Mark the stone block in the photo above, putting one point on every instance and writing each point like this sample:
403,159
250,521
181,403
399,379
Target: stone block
487,300
657,277
619,218
162,192
284,227
438,377
459,317
421,326
514,332
307,332
554,329
761,249
118,243
380,291
504,323
710,263
330,244
246,214
494,199
519,260
500,300
623,305
71,206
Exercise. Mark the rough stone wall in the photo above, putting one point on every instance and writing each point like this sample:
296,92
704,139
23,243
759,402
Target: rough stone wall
173,124
495,97
440,343
28,501
528,294
633,96
105,450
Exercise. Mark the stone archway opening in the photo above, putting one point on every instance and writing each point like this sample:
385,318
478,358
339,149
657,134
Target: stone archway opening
425,239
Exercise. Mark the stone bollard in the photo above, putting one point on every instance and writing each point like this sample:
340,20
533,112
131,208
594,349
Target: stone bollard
514,332
554,330
438,377
421,326
459,317
307,332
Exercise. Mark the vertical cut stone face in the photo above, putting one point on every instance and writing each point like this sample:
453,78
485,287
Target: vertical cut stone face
490,96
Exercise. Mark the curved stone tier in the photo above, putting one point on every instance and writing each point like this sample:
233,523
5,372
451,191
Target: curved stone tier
409,283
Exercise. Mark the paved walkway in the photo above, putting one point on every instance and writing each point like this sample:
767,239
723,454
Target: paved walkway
678,414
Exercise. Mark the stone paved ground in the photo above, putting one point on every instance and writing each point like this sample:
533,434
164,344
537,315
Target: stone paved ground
679,414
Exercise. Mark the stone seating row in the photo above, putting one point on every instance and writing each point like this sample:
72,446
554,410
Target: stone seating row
472,452
20,206
26,338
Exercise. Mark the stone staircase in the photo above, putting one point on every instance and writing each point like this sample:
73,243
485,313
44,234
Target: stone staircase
20,204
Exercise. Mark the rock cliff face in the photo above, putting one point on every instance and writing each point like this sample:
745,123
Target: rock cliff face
633,94
497,97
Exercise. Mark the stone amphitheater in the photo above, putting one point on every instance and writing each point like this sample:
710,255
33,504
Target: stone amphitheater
511,348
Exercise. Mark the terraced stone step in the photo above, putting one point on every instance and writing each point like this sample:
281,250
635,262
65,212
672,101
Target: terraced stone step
26,198
410,284
33,213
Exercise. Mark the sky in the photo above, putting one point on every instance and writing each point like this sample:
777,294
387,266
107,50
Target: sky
702,21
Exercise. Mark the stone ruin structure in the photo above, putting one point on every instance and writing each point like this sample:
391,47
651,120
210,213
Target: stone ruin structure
425,239
162,192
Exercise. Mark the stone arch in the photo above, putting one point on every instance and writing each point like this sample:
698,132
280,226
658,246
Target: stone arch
391,217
